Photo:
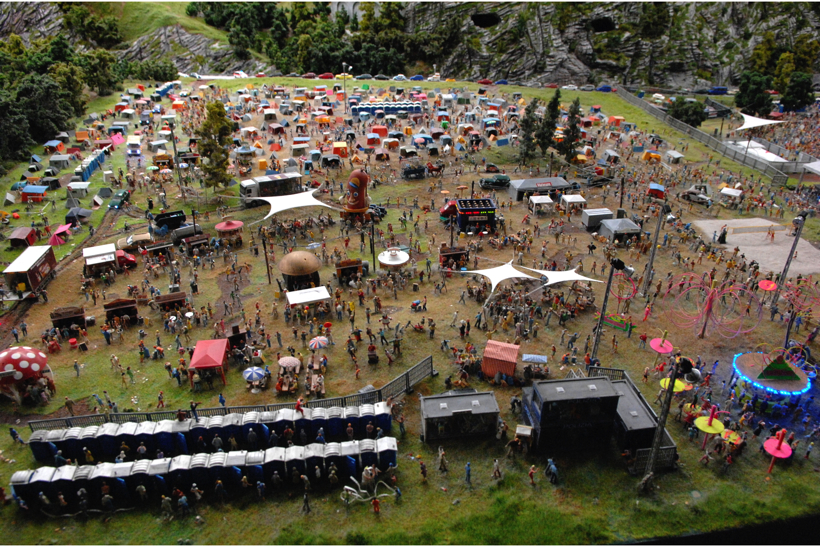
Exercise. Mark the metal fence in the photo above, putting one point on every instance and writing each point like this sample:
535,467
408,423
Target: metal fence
611,373
398,386
777,176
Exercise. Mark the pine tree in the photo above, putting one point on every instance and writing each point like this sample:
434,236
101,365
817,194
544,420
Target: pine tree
214,138
572,131
545,132
526,148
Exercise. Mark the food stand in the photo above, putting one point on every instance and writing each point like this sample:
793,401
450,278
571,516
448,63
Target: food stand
122,308
230,232
476,215
300,269
210,354
31,270
347,270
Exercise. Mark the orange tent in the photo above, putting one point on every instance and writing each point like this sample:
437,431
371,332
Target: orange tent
178,105
380,130
499,357
340,149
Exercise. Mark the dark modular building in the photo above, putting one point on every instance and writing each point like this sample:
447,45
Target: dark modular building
571,414
475,215
460,413
636,421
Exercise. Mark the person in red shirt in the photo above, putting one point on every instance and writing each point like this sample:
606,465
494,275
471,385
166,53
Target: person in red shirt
532,473
376,505
642,338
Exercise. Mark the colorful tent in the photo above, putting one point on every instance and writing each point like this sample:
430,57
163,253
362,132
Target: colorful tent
210,354
499,357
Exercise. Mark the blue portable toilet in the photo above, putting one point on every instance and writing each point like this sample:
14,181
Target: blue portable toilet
159,471
55,439
145,434
384,418
289,417
336,424
367,414
199,468
232,425
388,450
232,469
274,460
112,474
315,457
278,422
20,486
127,433
217,470
108,444
254,461
71,444
367,453
42,450
139,476
63,482
214,428
267,418
302,422
88,439
352,418
350,458
82,478
179,473
170,437
333,456
197,429
318,420
294,459
40,481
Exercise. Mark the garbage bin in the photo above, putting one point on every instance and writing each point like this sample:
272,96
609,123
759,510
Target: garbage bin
415,287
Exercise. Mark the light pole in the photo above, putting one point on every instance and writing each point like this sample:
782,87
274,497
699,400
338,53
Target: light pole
345,68
798,224
171,121
614,264
665,209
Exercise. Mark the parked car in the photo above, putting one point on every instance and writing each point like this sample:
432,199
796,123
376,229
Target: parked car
501,82
196,75
484,81
587,87
772,92
551,85
570,87
293,75
260,75
448,210
133,241
239,74
364,77
309,75
400,78
325,76
380,77
344,76
119,198
434,78
701,91
491,168
495,182
605,89
450,80
417,78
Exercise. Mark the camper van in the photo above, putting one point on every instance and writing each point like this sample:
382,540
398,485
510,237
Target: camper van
133,145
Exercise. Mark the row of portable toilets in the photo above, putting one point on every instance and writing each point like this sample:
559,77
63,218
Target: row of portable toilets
91,164
176,437
387,108
161,476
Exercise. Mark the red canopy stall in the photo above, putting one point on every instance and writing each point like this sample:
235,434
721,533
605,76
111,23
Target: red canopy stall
499,357
210,354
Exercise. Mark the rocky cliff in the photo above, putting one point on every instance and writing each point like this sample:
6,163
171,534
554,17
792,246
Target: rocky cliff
671,44
189,52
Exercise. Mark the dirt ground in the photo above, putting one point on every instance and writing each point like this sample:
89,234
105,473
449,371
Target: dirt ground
771,255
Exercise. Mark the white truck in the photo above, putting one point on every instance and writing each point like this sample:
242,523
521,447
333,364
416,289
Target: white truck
269,186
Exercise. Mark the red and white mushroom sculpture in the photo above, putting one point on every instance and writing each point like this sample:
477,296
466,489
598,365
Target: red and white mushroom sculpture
26,363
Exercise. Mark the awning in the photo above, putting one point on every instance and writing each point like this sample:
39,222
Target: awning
292,201
750,122
308,296
560,277
500,273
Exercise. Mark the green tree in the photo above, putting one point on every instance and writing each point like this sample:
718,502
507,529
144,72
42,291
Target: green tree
572,131
763,53
799,92
44,105
527,128
751,97
369,20
241,42
14,127
689,112
354,23
785,67
71,80
545,132
214,139
98,66
805,53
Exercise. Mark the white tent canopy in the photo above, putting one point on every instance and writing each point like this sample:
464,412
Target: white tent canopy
814,167
560,277
292,201
734,192
572,198
750,122
501,273
308,296
540,200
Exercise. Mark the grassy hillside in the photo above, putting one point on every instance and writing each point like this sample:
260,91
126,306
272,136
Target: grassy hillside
140,18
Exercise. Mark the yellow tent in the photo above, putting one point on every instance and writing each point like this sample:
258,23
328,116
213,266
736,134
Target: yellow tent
580,158
408,131
650,156
302,120
249,86
322,119
356,159
521,101
263,164
257,144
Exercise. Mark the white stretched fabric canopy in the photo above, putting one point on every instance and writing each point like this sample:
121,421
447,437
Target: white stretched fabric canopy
560,277
292,201
501,273
308,296
750,122
814,167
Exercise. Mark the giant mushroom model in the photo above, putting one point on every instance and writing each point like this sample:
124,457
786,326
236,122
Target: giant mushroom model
393,258
231,231
300,270
21,365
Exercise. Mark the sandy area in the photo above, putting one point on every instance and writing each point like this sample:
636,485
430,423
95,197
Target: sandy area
771,255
